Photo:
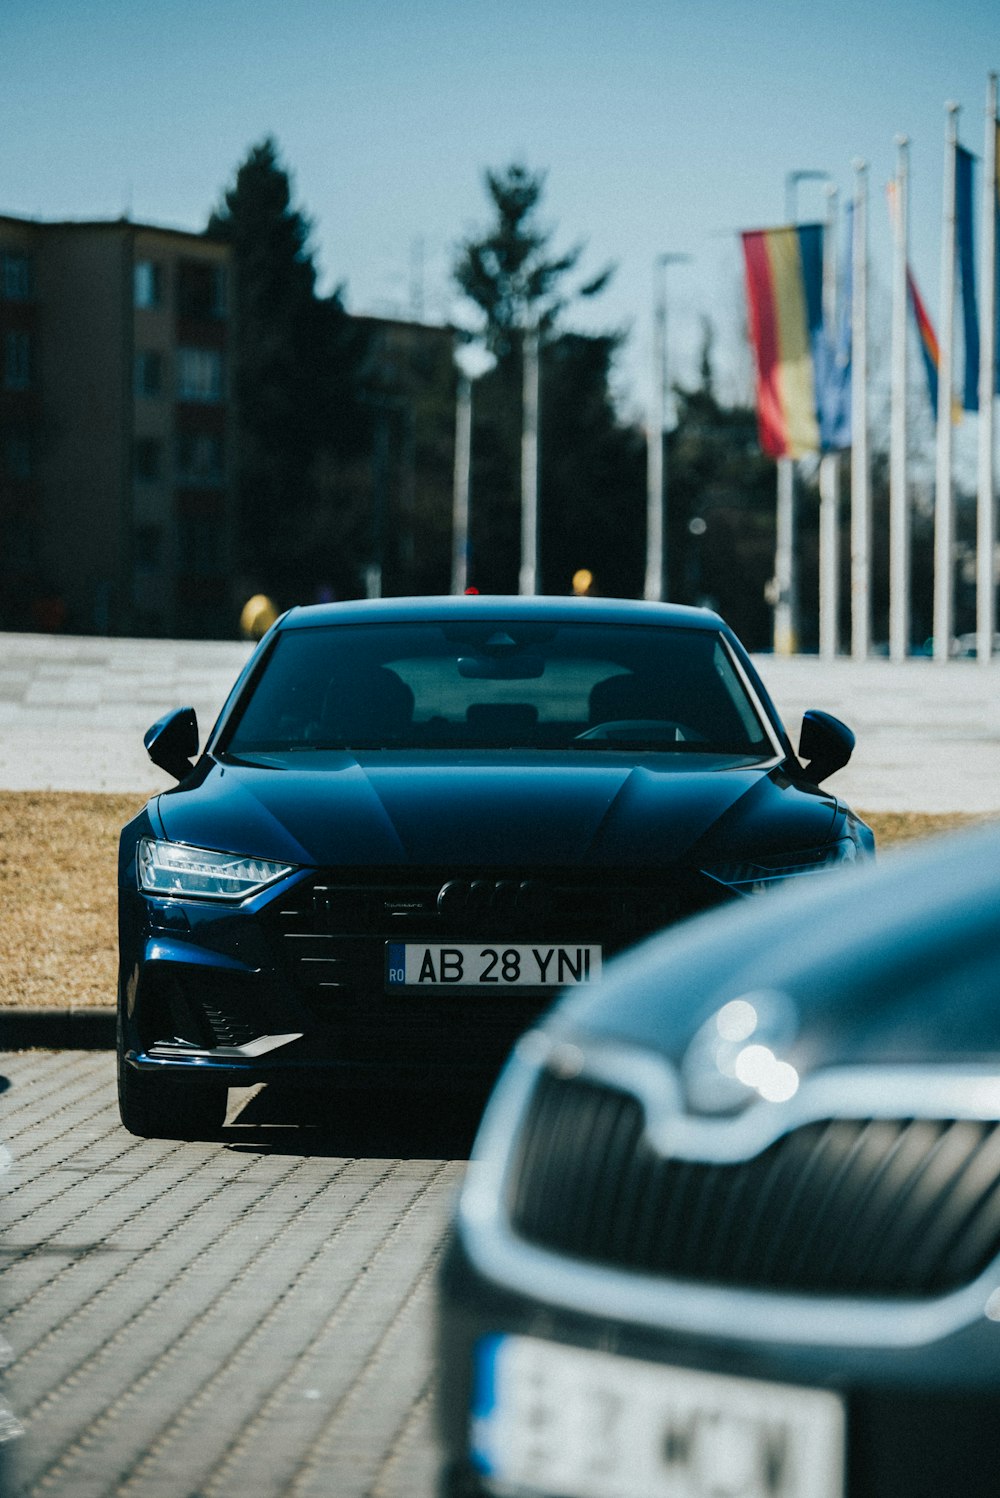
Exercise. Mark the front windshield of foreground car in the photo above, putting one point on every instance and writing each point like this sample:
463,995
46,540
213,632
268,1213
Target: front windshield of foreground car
496,685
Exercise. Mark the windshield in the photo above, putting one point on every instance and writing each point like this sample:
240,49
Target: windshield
497,685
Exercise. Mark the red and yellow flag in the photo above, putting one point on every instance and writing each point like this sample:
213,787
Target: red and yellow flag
784,283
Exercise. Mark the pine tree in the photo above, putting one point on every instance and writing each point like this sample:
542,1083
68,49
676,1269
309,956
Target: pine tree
516,281
508,272
296,372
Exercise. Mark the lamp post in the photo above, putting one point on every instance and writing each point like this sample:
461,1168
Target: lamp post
792,180
472,361
656,457
528,576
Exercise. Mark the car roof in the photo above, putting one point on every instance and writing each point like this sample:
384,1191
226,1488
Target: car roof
500,606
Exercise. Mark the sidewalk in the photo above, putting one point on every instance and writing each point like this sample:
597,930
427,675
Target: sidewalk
73,711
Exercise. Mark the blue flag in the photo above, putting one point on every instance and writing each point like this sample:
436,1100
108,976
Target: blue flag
833,363
965,248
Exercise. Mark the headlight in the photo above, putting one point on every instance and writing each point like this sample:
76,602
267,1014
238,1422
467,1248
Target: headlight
173,869
773,870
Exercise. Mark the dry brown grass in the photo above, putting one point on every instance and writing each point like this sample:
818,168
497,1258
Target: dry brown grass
58,861
58,857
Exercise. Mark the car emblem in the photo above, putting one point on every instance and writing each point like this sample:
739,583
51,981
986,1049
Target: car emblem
492,897
736,1056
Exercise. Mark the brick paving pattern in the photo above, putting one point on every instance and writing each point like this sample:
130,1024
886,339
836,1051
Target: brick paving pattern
248,1317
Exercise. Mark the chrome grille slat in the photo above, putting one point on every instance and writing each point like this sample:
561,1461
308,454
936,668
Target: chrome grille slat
846,1207
981,1221
825,1209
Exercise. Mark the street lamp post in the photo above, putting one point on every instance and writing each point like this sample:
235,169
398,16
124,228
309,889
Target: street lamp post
528,577
472,360
656,457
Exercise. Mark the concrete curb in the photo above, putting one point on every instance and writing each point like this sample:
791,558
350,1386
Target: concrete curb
57,1029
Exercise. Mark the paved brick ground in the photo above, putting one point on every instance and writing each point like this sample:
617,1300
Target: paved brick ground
248,1317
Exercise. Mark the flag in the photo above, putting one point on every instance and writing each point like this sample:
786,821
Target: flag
965,248
784,285
834,378
929,351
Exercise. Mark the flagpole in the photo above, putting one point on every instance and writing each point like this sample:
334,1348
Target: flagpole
899,510
861,515
829,467
944,508
986,486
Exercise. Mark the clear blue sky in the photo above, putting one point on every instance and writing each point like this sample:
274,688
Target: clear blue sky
661,124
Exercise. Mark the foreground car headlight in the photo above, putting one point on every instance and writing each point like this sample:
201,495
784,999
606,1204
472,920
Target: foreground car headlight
771,871
174,869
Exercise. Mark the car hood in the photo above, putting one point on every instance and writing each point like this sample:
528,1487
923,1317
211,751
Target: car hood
336,808
896,963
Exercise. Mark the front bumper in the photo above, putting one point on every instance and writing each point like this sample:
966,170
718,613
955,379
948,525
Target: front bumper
294,979
921,1421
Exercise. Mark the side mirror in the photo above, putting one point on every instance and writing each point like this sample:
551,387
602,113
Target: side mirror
172,742
825,745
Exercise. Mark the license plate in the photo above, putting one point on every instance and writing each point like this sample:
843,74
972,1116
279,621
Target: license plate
584,1424
473,965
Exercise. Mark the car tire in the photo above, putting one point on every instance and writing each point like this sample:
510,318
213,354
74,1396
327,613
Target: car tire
169,1107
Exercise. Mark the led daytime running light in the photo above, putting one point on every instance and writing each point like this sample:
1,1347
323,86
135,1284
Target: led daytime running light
199,873
770,873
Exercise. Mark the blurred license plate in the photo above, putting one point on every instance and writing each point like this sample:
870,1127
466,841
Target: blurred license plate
582,1424
437,965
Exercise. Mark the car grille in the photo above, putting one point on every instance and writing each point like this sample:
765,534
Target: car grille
850,1207
333,928
327,924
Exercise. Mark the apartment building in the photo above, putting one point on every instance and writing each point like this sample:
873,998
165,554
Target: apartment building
116,422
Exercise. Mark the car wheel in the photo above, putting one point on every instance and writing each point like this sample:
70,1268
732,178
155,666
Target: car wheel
168,1107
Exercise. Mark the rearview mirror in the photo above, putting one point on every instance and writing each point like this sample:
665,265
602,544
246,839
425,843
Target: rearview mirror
500,668
825,745
172,742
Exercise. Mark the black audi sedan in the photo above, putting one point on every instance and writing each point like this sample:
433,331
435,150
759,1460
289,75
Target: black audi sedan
415,820
732,1225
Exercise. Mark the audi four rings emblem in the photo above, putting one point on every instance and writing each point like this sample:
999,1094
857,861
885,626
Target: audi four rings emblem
497,896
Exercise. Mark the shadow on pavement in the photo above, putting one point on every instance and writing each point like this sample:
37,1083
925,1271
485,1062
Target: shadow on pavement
392,1124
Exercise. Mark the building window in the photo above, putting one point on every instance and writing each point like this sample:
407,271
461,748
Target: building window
200,459
148,547
148,372
15,282
148,459
201,290
17,361
147,283
199,375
